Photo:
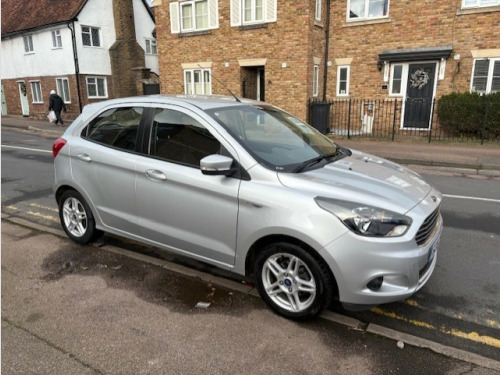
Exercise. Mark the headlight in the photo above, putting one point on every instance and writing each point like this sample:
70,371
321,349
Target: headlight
366,220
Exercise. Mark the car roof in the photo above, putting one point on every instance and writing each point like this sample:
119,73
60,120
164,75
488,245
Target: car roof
203,102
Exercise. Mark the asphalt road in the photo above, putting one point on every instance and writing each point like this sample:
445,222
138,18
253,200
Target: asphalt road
458,307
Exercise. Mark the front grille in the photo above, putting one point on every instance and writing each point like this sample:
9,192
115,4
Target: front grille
427,228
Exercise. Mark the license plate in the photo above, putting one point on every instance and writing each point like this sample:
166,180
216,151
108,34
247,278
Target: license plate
433,250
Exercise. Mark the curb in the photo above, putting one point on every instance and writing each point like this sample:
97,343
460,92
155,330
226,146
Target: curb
249,289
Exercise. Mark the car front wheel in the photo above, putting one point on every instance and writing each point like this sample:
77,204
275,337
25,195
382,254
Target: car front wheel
292,282
76,218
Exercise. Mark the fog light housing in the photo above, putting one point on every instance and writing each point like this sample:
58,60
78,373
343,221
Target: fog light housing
375,284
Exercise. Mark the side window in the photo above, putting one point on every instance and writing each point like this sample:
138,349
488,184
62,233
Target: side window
115,127
181,139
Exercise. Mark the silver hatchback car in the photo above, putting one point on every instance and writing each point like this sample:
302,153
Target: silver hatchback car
247,187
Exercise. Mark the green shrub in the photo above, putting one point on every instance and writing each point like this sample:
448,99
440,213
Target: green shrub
470,114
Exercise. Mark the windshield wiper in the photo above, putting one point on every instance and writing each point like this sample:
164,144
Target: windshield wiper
316,160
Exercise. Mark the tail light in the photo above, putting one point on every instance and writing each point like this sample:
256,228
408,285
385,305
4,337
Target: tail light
57,146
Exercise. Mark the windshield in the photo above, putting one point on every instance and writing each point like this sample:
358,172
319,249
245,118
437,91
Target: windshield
275,138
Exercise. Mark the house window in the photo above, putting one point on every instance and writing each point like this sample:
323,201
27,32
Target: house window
317,14
316,80
90,36
62,85
343,81
367,9
194,15
397,80
97,87
479,3
486,76
151,48
247,12
28,43
197,81
36,92
56,39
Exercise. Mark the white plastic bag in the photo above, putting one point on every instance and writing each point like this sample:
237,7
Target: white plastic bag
52,117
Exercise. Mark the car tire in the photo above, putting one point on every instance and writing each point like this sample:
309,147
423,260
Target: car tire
292,282
76,218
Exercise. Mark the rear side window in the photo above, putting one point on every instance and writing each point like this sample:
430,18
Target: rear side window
115,127
181,139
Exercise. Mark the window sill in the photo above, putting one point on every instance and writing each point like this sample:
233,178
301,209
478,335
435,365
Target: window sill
194,33
366,22
318,23
465,11
253,26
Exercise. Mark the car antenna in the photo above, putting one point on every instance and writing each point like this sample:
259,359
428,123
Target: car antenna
223,85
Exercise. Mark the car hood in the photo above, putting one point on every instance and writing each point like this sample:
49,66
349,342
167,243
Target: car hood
365,179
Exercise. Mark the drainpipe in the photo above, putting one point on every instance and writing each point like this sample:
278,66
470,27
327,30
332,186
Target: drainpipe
75,59
327,44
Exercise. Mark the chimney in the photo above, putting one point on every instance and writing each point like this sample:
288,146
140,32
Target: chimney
125,53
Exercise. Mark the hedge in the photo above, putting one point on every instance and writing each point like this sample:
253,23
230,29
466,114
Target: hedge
470,114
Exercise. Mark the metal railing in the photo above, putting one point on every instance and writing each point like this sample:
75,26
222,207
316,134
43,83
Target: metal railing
385,119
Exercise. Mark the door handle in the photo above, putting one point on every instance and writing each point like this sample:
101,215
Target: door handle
84,157
156,175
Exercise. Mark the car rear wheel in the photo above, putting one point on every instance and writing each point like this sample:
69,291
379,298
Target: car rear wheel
76,218
292,282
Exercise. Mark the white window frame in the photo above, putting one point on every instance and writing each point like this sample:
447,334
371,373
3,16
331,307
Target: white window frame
316,80
189,81
348,69
62,86
176,21
56,39
404,79
366,15
253,12
270,11
95,83
91,39
151,47
36,92
489,79
28,43
466,4
317,12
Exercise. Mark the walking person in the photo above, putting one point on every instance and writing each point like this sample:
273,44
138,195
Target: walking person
56,104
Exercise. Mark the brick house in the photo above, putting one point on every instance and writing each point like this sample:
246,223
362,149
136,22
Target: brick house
287,52
86,50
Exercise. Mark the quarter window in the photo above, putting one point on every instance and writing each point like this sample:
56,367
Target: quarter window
343,81
90,36
151,48
36,92
197,82
367,9
115,127
63,89
486,76
28,43
479,3
97,87
181,139
56,39
317,14
397,80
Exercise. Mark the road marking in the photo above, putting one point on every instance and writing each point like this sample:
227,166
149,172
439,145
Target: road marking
471,198
27,149
46,217
473,336
44,207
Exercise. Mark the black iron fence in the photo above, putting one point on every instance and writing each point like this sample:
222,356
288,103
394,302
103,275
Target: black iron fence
386,118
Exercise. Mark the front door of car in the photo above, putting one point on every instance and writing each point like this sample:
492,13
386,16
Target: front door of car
179,207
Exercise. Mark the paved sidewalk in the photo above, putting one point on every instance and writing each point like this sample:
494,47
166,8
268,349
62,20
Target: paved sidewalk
484,159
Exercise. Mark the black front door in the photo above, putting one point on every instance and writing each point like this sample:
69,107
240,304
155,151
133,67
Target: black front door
419,95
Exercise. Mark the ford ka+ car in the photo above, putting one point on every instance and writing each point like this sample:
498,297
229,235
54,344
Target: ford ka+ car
249,188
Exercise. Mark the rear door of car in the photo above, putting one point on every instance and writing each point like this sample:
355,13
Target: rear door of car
103,164
178,206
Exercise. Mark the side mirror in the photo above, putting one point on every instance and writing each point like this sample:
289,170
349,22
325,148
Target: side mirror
216,165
